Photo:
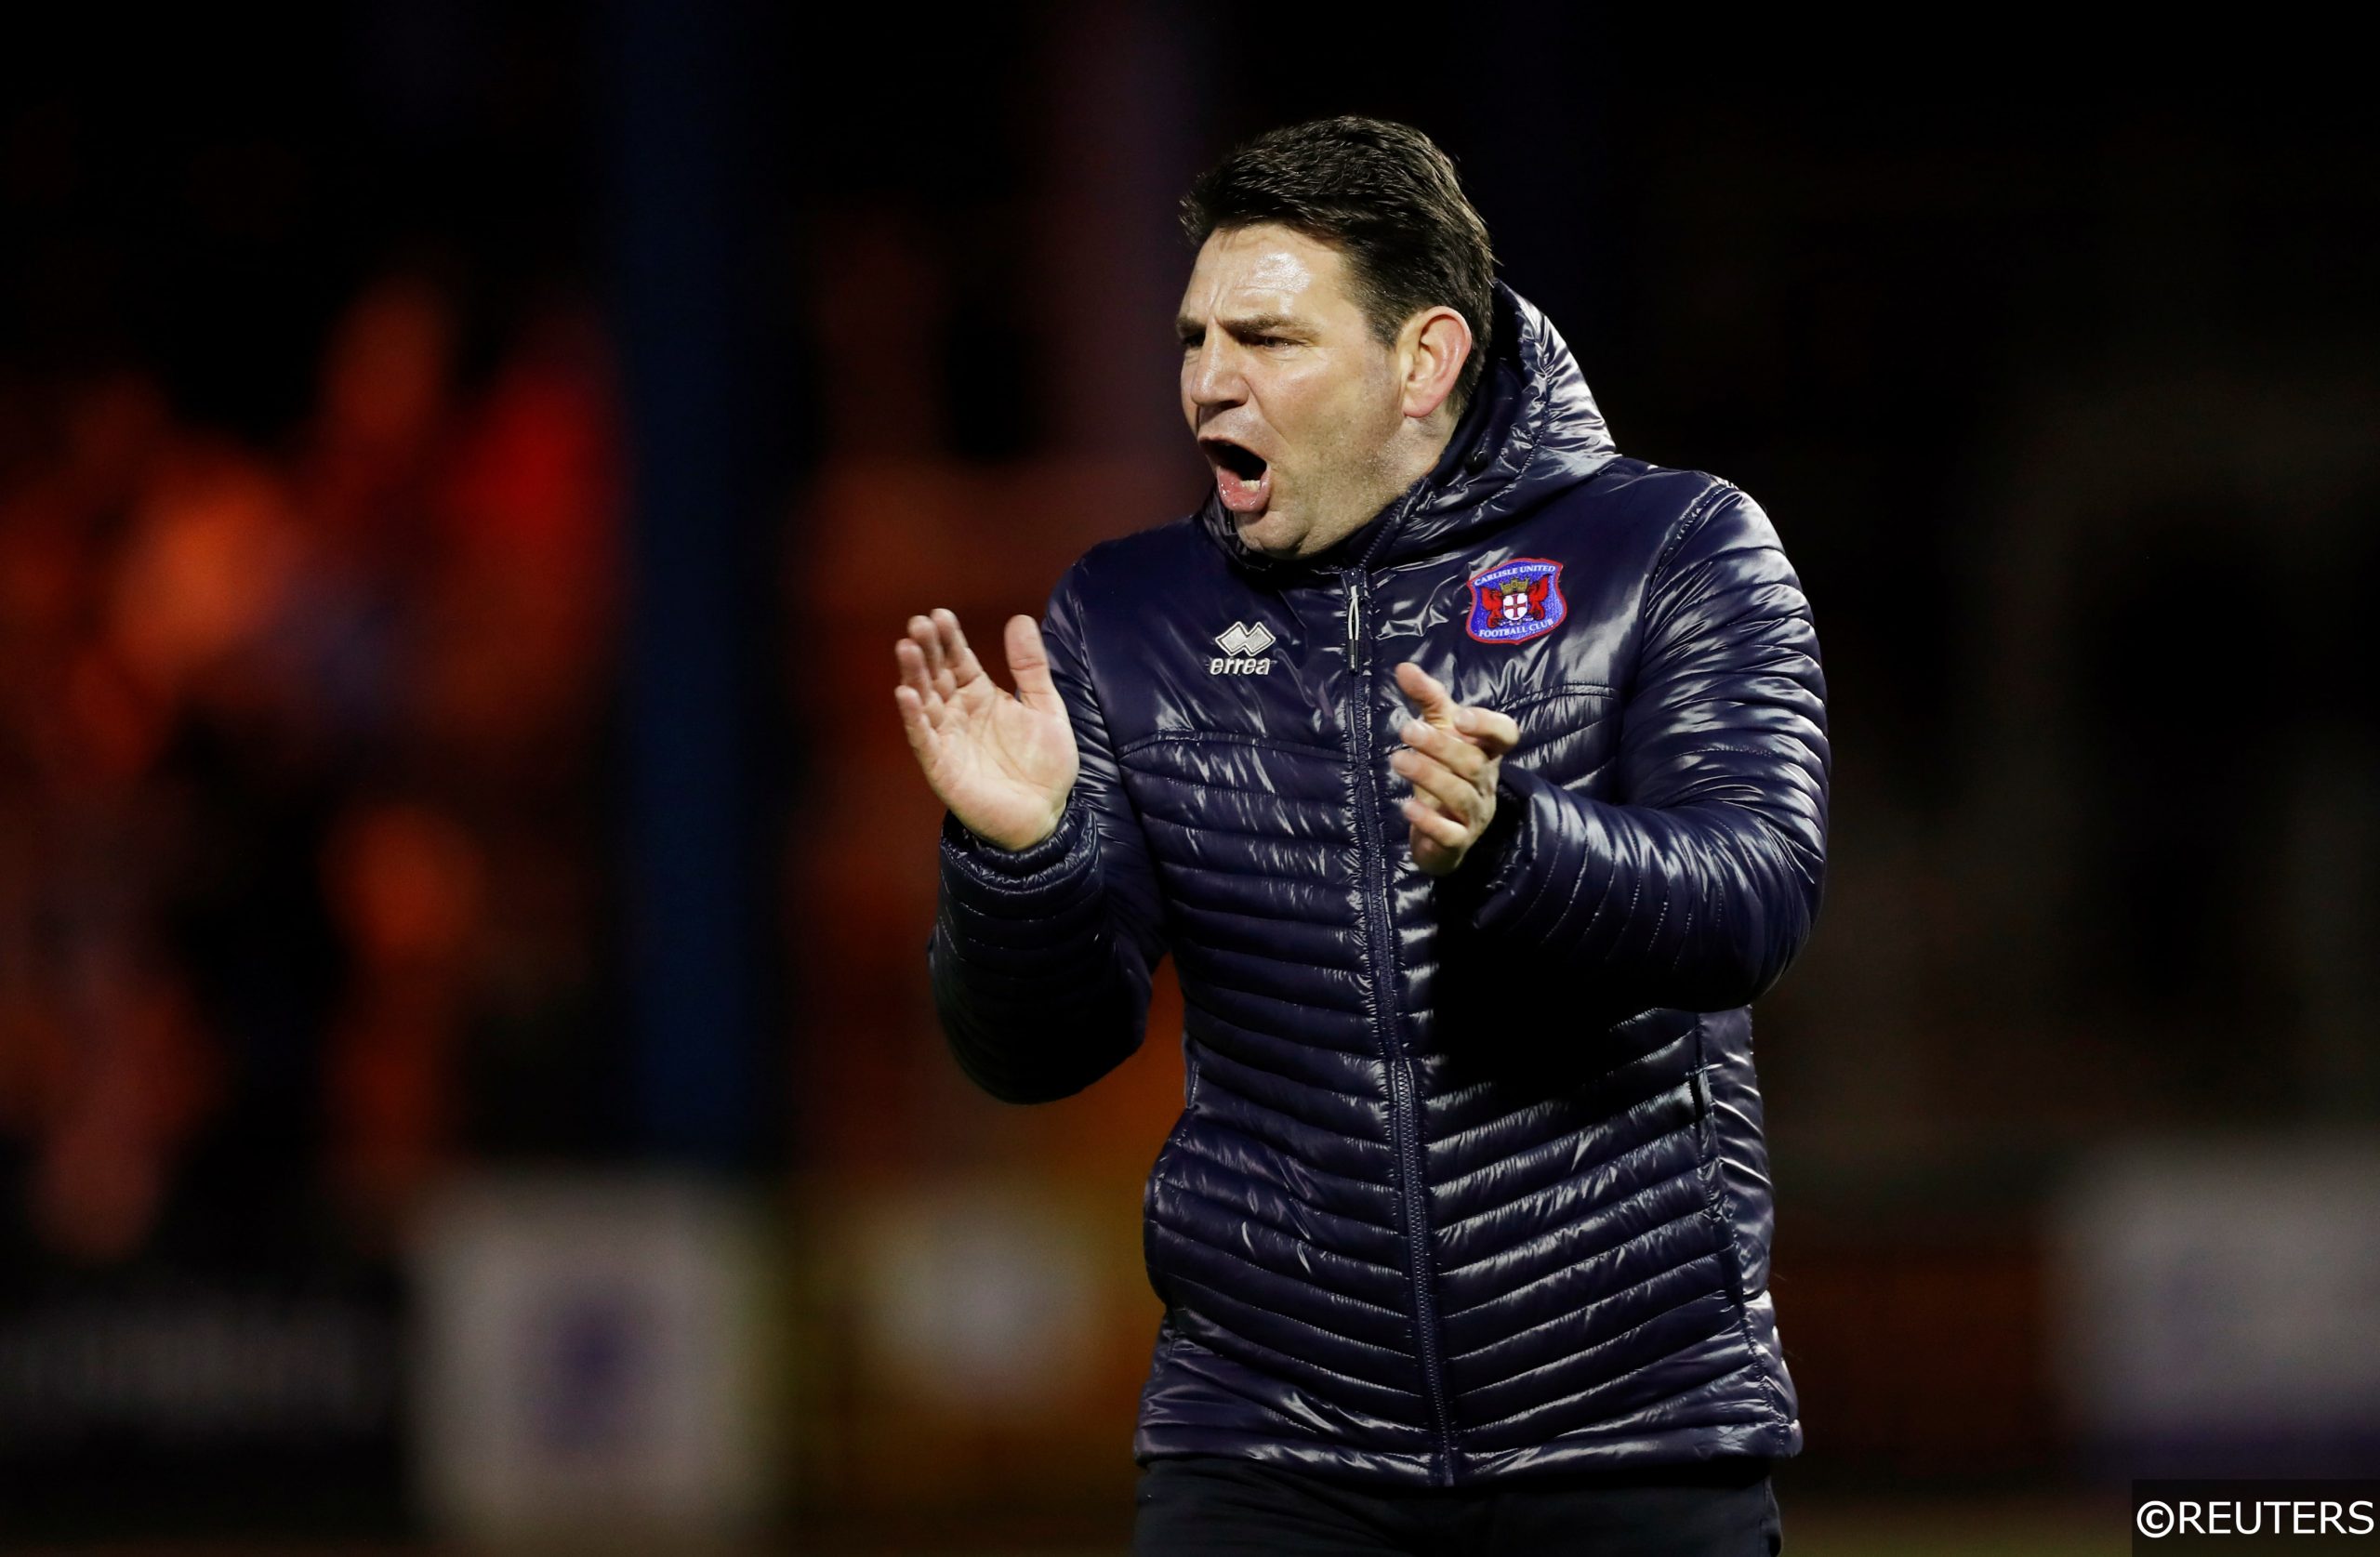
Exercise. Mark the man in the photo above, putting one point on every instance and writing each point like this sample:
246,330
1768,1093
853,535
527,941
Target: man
1462,1236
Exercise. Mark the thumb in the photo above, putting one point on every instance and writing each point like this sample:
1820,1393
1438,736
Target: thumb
1435,704
1028,661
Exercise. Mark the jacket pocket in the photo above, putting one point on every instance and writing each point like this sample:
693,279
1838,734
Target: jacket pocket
1706,1127
1149,1209
1718,1205
1569,736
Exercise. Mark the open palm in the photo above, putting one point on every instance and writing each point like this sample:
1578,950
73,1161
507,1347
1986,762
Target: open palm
1003,764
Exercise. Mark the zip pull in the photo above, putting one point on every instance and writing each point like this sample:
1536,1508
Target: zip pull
1355,620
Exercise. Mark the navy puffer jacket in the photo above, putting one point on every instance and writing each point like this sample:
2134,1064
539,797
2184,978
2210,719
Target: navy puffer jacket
1469,1181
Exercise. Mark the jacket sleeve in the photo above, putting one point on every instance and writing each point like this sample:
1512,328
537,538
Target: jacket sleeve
1696,885
1040,957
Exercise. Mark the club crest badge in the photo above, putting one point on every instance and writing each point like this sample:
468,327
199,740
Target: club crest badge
1515,602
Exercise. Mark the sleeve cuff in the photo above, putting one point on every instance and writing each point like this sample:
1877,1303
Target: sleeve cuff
1016,868
1495,859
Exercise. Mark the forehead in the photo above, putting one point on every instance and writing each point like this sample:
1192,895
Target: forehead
1267,268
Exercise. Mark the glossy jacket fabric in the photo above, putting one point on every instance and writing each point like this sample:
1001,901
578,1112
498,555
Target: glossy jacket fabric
1469,1181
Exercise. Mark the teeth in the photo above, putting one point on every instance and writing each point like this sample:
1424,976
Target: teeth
1239,462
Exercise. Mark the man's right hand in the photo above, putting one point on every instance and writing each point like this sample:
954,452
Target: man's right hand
1003,764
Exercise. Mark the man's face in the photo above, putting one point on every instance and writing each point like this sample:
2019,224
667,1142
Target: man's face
1292,399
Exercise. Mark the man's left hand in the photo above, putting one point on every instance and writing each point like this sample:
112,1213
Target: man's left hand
1452,754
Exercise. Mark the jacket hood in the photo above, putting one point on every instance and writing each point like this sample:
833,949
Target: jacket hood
1531,430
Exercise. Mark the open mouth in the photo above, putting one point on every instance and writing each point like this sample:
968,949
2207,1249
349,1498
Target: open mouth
1243,477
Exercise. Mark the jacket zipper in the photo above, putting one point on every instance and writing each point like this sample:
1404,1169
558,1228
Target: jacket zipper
1403,1123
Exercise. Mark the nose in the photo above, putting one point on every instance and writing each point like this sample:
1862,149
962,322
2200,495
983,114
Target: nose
1211,379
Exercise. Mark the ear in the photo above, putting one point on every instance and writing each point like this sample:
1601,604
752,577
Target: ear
1433,346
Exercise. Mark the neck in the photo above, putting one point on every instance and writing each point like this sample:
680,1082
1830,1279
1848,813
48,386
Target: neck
1411,454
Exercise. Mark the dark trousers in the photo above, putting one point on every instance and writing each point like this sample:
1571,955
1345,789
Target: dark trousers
1210,1506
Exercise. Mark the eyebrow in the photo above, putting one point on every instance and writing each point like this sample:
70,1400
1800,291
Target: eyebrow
1249,324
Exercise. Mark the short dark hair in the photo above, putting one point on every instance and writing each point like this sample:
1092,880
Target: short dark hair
1385,195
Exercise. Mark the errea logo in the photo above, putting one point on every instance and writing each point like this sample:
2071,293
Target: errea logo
1241,647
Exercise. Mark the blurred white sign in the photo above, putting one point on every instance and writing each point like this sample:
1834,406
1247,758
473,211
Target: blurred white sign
585,1360
976,1296
2224,1296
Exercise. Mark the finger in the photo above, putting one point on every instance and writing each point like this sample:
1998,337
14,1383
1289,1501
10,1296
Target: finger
1434,826
1029,662
1433,778
911,661
914,723
1495,734
964,665
913,675
939,671
1436,704
1444,744
928,638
